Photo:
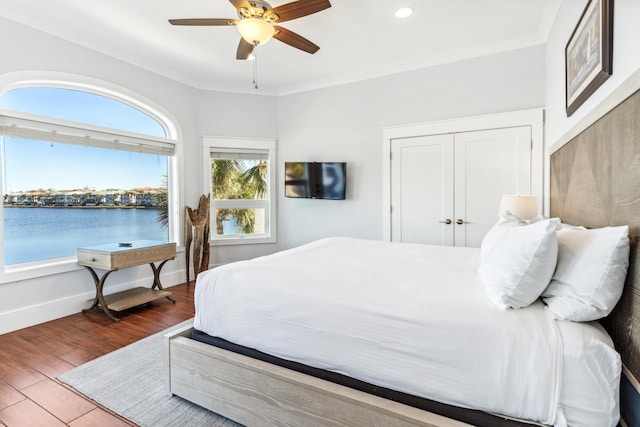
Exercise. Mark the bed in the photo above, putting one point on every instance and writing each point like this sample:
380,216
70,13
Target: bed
397,316
510,366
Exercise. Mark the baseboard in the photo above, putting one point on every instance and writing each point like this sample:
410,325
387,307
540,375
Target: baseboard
55,309
629,399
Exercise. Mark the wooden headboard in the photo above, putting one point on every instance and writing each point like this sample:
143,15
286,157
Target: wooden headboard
595,182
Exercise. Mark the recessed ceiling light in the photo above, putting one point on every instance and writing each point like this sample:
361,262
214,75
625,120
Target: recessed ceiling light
404,12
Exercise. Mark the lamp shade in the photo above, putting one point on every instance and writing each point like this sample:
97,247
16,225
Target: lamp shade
255,30
524,207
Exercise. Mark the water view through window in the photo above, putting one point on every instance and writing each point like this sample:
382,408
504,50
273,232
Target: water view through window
58,196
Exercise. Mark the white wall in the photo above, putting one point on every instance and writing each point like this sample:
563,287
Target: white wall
345,123
224,114
626,61
33,301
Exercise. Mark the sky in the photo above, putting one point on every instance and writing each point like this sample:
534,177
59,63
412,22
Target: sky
31,165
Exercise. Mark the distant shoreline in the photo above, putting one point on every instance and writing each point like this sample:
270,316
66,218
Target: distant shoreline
81,207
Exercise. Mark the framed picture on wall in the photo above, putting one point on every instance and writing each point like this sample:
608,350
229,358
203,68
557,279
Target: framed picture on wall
589,53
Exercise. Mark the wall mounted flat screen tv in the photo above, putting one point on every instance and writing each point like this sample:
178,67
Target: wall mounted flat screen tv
315,180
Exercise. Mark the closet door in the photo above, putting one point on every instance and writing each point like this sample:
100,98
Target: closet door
422,190
446,189
488,164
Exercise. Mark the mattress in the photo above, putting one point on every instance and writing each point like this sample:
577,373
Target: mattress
413,318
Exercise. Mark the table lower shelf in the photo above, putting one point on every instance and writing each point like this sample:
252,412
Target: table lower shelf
133,297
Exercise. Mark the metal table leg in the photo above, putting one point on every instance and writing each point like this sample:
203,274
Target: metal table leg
99,298
156,278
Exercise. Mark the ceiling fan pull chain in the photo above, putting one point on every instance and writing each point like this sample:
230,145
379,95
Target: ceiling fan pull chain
255,67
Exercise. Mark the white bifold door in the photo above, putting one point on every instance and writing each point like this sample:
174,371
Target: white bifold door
446,189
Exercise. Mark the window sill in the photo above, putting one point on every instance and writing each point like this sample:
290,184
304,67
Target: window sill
241,241
34,270
39,269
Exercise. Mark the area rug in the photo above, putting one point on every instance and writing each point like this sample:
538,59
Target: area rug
130,382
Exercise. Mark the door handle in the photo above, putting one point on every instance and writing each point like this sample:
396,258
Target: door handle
446,221
460,221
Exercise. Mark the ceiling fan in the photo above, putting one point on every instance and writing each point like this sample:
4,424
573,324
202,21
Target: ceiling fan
258,21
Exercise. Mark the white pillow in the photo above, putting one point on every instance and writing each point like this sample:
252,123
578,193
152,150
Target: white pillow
517,260
592,267
564,225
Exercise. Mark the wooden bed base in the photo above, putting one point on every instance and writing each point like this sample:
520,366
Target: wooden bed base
253,392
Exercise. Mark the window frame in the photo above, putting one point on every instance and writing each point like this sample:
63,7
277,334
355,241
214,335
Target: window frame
48,129
11,81
242,145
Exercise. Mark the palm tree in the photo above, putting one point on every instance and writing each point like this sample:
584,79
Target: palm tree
163,204
223,177
255,178
231,179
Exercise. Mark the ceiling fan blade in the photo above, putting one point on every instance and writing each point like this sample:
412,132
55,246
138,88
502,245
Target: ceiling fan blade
203,21
244,49
298,9
240,4
294,40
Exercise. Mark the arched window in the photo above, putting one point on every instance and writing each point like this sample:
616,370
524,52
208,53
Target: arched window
79,168
81,107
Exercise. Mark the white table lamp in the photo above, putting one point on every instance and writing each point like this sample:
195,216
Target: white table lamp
524,207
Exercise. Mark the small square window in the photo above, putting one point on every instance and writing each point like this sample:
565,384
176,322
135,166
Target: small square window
241,183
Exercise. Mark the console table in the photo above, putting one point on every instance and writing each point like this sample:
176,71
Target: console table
114,256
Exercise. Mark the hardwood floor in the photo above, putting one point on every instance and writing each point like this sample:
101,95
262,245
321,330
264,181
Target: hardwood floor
32,358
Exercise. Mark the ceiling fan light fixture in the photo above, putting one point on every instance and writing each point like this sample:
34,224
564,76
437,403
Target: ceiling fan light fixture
404,12
255,30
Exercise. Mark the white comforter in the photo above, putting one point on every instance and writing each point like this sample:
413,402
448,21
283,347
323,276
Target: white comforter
409,317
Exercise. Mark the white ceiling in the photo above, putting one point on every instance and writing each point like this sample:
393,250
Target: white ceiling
358,39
